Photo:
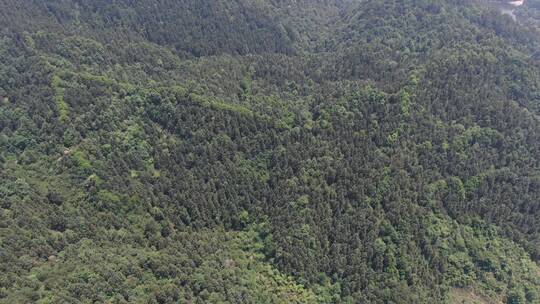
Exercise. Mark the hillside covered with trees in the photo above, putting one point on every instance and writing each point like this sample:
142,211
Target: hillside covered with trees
269,151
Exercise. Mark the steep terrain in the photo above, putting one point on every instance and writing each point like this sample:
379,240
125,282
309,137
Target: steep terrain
269,151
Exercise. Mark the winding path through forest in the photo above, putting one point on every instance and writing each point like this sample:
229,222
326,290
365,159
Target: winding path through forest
509,7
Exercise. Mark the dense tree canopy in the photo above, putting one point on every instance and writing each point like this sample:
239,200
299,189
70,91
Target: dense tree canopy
269,151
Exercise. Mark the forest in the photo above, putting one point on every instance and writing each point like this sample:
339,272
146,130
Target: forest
269,151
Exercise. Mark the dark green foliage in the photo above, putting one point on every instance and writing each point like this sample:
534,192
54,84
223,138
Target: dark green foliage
268,152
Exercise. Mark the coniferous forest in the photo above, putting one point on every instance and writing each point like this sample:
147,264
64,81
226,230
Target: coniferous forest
269,151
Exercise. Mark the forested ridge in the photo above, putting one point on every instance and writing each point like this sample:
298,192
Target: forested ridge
269,151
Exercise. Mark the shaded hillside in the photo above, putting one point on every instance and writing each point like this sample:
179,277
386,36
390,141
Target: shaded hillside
268,152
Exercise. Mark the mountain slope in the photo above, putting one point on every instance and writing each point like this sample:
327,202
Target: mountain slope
268,151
